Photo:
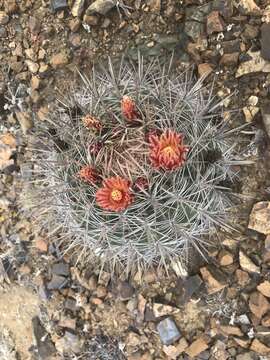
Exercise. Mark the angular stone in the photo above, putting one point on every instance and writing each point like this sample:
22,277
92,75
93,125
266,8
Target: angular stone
162,310
258,304
194,29
255,64
190,286
246,264
213,284
59,59
45,347
259,347
248,7
259,218
231,330
57,282
32,66
204,69
90,20
168,331
197,347
7,149
78,8
265,41
69,343
125,290
250,112
242,342
60,269
229,59
100,7
264,288
4,18
173,351
58,5
214,23
225,258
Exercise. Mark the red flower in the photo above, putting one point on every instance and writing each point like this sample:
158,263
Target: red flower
88,174
167,151
91,122
141,183
129,109
115,194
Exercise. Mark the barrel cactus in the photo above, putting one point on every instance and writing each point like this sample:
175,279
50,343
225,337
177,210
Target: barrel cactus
134,166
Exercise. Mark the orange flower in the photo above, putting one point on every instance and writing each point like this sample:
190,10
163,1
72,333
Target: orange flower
167,151
129,109
88,174
115,194
91,122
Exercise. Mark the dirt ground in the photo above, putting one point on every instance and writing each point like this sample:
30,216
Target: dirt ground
226,314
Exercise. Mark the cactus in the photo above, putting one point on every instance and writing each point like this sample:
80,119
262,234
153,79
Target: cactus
135,166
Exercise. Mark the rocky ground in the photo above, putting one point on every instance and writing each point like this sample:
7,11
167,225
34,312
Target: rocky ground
51,309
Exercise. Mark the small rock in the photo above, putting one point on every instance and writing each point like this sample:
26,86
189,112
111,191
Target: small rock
168,331
248,7
255,64
190,286
70,304
204,69
225,258
90,20
35,83
219,351
259,347
229,59
74,24
58,5
259,219
258,304
250,112
32,66
266,321
214,23
125,290
265,41
162,310
194,29
66,322
60,269
154,5
25,121
213,285
7,149
242,342
173,351
242,277
57,282
245,356
44,345
246,264
78,8
4,18
68,344
100,7
101,292
197,347
224,7
231,330
141,308
59,59
264,288
34,25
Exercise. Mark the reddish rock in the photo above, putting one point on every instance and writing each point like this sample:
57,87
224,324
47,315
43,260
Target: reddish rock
264,288
205,69
214,23
258,304
259,347
198,346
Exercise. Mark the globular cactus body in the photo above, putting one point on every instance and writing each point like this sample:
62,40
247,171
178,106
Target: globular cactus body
134,166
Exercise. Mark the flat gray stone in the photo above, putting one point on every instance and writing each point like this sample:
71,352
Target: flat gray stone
168,331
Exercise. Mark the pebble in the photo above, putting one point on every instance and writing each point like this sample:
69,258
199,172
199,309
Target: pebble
90,20
168,331
259,347
197,347
264,288
68,344
58,5
100,7
60,269
7,149
57,282
125,290
259,218
59,59
78,8
74,24
258,304
205,69
265,41
255,64
229,59
190,287
4,18
173,351
213,284
43,343
214,23
225,258
246,264
32,66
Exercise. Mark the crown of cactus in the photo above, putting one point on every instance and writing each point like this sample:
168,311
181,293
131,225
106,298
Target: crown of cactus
134,166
